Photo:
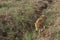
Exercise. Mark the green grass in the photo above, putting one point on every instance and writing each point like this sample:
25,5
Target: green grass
31,36
20,18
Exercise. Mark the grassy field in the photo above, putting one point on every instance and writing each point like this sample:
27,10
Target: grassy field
17,18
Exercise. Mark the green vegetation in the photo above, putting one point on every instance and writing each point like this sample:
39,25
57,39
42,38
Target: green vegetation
17,18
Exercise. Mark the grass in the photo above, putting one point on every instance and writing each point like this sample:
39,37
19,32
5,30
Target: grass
20,18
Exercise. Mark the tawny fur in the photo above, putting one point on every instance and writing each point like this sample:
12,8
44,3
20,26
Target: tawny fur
39,22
